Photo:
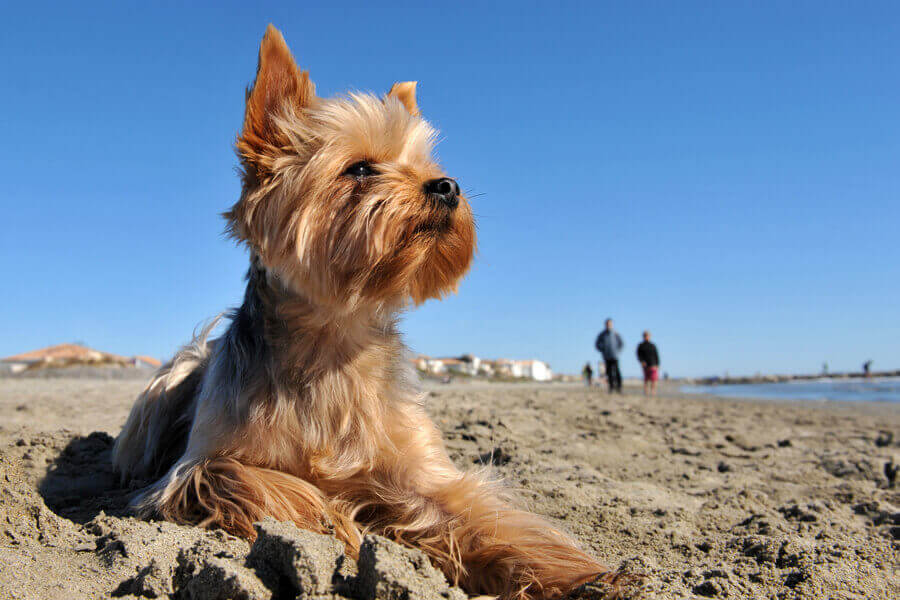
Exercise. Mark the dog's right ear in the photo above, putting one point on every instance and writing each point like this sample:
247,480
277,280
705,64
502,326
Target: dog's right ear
279,91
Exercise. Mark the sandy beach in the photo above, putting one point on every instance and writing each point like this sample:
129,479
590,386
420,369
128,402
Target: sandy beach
707,497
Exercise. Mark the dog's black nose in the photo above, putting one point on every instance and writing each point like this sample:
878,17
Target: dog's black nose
445,190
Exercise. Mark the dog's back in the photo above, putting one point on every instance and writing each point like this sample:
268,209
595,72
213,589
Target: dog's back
156,432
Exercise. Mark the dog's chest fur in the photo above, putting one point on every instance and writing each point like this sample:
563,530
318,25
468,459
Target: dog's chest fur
299,390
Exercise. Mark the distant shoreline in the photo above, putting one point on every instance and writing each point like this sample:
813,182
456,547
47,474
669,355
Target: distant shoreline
878,388
788,378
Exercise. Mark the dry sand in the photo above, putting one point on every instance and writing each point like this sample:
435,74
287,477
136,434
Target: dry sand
707,497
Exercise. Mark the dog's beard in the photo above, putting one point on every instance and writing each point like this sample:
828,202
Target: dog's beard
446,243
422,257
435,226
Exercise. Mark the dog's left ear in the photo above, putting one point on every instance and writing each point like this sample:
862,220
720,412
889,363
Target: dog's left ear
405,92
279,91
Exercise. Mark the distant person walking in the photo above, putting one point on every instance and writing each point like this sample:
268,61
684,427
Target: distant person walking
648,356
609,344
867,368
588,373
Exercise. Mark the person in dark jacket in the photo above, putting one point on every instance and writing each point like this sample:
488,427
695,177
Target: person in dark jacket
609,344
588,373
648,356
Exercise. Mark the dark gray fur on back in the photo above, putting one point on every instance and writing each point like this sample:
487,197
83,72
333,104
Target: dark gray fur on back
241,347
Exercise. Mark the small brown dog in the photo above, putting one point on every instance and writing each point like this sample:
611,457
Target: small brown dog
305,409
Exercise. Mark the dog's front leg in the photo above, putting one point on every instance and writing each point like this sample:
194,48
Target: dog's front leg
221,481
228,493
472,530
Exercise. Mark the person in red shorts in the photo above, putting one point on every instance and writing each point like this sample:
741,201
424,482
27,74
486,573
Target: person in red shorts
648,356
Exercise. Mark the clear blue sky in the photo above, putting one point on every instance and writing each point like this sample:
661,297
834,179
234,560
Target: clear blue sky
725,174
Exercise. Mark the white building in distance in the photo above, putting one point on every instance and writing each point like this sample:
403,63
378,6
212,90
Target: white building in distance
536,370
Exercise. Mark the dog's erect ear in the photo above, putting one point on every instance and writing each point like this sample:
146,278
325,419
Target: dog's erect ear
405,92
279,90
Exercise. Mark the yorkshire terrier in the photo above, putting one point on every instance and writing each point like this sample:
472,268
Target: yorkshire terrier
305,408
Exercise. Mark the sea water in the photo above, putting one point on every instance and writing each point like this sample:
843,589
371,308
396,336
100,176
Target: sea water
875,389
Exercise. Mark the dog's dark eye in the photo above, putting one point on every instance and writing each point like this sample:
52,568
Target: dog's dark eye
360,170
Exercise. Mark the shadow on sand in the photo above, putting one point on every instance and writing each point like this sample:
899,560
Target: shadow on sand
80,483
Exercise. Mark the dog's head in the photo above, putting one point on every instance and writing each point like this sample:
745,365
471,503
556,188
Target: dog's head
342,199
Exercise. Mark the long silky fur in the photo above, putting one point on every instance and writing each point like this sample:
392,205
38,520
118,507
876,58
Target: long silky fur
305,408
